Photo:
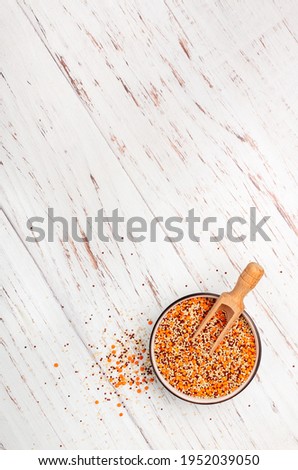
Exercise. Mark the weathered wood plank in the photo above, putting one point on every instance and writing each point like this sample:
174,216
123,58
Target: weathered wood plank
153,108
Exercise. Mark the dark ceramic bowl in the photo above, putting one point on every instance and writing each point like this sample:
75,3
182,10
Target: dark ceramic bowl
197,400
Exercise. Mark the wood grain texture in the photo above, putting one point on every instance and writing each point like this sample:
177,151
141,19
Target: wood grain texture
152,107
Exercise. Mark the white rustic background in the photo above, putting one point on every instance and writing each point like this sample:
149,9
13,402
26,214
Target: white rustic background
154,107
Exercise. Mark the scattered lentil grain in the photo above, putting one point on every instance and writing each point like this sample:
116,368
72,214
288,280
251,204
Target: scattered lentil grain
128,364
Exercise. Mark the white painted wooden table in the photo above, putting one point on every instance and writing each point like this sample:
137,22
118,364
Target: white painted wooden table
152,107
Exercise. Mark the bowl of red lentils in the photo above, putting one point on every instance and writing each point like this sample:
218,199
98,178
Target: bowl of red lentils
185,366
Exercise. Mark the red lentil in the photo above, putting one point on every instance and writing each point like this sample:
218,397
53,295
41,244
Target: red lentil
187,365
128,364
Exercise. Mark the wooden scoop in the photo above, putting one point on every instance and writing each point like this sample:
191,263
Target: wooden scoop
231,303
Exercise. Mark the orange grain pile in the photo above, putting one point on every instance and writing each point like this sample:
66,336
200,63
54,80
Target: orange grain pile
187,365
128,364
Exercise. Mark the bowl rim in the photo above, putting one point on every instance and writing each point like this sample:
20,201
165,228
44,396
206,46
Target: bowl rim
204,401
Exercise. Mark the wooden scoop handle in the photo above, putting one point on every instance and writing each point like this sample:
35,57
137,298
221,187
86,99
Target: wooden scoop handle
232,302
247,280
